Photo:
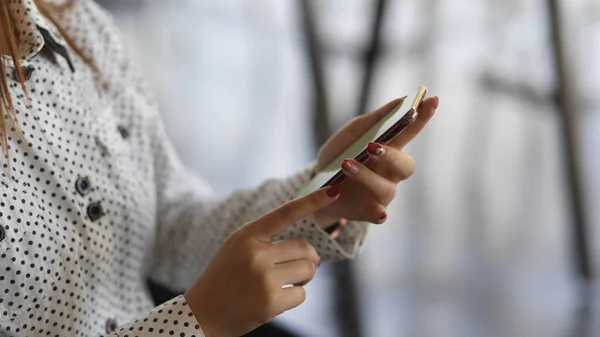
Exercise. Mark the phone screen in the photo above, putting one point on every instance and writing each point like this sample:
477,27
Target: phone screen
383,132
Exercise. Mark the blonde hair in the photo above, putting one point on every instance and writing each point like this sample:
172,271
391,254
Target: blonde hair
9,42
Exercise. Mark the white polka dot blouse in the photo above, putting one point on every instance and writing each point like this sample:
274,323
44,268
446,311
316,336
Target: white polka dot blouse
94,199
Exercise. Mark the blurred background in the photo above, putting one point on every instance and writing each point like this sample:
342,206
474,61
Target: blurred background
496,234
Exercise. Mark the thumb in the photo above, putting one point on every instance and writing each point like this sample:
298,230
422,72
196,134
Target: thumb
352,131
279,219
358,126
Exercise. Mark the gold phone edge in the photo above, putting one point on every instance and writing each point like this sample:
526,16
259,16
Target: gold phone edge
419,97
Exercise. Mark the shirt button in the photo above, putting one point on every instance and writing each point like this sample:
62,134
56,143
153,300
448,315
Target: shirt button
111,325
95,211
27,71
123,131
83,186
2,234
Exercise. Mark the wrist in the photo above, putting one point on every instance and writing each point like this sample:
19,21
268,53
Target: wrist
203,319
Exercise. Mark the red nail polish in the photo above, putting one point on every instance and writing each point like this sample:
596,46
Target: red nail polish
350,166
436,102
383,217
334,191
375,149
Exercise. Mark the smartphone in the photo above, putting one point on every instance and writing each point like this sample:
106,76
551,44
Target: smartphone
383,132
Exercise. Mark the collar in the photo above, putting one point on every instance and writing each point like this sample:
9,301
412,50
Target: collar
35,31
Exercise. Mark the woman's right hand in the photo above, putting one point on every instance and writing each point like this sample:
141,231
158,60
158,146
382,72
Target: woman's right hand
242,287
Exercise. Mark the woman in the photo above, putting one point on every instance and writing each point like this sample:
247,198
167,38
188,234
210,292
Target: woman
94,198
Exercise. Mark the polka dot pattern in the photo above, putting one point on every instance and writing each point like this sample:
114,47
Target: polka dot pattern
95,199
31,40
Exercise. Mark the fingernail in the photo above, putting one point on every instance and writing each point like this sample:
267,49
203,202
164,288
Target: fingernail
375,149
350,166
436,102
383,217
334,191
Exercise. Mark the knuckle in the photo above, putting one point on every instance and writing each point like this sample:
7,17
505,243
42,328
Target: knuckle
390,194
308,249
411,166
304,245
408,168
312,270
314,254
309,269
405,166
391,153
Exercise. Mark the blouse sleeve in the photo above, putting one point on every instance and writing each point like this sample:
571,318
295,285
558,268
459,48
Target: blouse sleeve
172,318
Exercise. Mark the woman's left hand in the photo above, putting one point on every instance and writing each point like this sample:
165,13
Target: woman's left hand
370,188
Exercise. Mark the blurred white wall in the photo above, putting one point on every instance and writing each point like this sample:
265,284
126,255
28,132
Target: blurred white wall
231,80
478,240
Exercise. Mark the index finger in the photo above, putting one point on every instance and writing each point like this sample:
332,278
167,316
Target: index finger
425,113
281,218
